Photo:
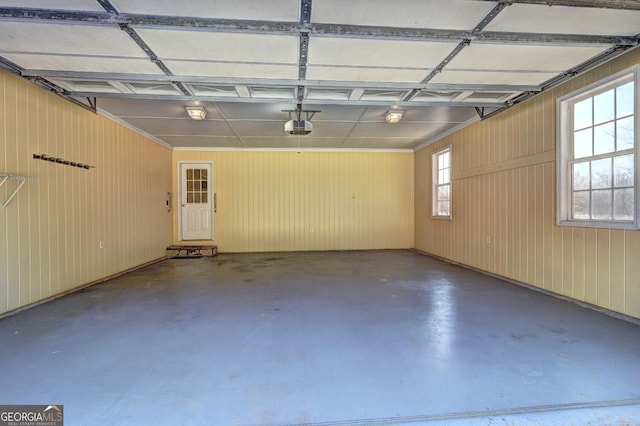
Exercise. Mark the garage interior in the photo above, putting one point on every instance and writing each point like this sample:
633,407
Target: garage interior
336,296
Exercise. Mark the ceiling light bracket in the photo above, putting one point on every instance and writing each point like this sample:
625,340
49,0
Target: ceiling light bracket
299,111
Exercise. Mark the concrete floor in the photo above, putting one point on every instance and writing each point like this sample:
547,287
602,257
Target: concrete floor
334,338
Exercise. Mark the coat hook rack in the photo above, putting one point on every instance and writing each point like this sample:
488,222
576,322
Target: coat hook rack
23,179
58,160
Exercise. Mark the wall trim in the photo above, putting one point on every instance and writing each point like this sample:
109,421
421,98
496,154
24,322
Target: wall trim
321,150
517,163
81,287
580,303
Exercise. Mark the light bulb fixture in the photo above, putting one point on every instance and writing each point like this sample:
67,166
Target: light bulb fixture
196,112
393,116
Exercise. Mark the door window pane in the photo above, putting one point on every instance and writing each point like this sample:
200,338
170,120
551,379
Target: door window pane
197,186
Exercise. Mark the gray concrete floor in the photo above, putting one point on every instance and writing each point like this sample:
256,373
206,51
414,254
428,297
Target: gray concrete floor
333,338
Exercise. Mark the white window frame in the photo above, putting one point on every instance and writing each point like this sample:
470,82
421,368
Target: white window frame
564,151
436,183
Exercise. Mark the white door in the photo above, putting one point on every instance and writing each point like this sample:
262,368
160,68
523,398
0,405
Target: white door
196,201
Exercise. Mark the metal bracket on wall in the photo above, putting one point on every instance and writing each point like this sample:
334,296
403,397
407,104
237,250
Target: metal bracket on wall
22,179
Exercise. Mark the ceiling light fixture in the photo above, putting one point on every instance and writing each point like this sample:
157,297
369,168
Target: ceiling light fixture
196,112
393,116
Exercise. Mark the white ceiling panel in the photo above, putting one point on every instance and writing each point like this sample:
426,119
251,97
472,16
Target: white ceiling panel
258,128
312,142
258,92
153,109
329,94
566,20
380,143
377,53
286,142
443,114
337,113
84,63
213,90
235,70
450,14
251,111
484,56
182,127
232,47
88,5
273,10
492,77
384,129
35,37
204,141
388,75
325,129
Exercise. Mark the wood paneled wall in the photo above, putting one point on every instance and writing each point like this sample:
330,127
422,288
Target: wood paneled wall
504,188
287,200
50,231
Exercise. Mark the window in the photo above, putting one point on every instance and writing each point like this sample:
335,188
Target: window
441,190
597,154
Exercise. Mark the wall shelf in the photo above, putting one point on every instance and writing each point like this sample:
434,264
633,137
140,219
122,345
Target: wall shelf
6,177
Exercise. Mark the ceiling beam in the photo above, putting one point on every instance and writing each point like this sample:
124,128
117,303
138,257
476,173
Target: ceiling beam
426,34
229,81
287,100
599,4
464,43
337,30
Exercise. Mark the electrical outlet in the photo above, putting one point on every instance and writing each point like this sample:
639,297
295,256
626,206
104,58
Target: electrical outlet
487,240
311,230
101,244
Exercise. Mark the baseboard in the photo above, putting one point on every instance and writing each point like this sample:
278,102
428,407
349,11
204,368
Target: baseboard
81,287
587,305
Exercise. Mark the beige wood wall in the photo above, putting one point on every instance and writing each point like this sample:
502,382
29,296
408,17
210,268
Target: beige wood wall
49,233
504,188
271,200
